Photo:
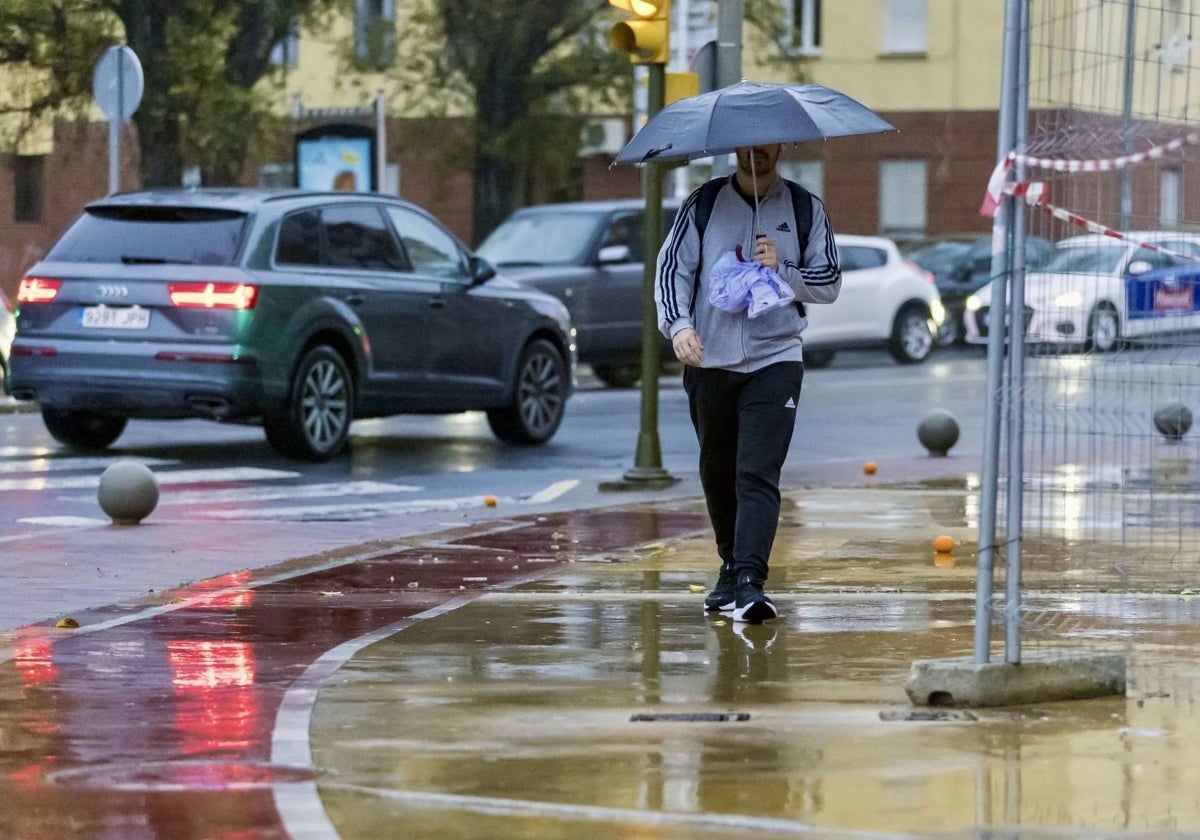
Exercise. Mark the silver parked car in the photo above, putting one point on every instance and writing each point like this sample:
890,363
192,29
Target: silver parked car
298,310
8,329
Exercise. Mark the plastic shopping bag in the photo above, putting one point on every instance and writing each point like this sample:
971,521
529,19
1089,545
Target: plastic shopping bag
737,285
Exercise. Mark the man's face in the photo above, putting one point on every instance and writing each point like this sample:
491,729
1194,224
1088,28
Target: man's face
762,158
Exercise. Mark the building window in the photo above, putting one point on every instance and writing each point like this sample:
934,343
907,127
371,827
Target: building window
27,188
902,197
904,27
804,25
287,52
1169,198
375,33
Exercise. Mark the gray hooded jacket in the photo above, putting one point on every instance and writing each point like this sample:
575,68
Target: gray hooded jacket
733,340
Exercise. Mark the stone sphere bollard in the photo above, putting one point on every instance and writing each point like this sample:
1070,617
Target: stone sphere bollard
128,492
1173,421
938,432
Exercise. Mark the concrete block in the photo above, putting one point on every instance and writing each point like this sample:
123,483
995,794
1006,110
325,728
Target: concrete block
1042,676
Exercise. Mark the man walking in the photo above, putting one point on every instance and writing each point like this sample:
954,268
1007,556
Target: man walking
743,375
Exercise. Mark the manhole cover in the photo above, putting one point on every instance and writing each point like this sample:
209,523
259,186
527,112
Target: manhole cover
692,717
926,714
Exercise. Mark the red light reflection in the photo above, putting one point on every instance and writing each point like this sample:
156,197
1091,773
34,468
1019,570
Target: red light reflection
218,708
229,592
32,658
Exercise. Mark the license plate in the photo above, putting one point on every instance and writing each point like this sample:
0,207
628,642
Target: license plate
115,317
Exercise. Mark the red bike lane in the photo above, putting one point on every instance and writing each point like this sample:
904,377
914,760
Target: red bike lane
158,723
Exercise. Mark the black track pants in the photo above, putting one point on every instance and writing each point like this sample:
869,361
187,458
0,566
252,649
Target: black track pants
744,423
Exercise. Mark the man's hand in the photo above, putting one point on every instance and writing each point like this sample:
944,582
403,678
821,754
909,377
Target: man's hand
764,252
687,347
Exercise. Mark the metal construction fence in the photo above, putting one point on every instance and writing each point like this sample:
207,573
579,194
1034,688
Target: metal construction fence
1090,500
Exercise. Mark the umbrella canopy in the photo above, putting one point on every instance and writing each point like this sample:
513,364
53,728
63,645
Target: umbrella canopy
748,114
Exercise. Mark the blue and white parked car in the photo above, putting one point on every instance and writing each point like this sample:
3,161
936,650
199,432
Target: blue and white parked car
1098,292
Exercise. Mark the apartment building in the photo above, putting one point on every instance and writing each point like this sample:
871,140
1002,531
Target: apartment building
931,67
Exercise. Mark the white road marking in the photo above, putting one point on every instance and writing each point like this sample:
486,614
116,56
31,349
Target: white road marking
639,818
41,465
357,510
267,494
552,492
164,478
64,521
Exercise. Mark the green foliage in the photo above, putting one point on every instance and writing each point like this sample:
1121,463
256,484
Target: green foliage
526,70
767,31
48,49
203,61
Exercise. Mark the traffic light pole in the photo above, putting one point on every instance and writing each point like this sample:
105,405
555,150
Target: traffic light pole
648,469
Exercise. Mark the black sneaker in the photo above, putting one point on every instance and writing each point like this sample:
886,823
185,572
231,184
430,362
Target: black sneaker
752,604
722,597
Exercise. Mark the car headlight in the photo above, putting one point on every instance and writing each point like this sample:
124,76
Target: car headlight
937,312
1069,300
973,303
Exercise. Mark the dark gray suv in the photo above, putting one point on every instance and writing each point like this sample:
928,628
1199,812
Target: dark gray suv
589,255
298,310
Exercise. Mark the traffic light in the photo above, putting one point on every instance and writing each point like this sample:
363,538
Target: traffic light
646,36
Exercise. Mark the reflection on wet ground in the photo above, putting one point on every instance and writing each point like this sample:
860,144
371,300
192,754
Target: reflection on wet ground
522,714
160,723
556,678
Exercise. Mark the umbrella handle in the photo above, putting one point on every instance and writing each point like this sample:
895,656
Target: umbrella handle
754,182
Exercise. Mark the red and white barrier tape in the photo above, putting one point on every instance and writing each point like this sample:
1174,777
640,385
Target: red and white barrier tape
996,182
1033,192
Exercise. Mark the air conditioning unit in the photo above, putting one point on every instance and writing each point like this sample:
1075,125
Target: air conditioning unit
605,136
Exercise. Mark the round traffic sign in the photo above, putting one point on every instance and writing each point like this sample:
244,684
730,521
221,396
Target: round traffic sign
117,83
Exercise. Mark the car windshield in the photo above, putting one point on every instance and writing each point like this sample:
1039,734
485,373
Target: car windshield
188,235
559,238
1101,258
939,257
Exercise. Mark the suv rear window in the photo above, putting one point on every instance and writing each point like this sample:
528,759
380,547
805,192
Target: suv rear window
189,235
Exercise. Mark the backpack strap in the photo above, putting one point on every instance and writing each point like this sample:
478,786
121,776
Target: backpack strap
802,208
704,204
704,208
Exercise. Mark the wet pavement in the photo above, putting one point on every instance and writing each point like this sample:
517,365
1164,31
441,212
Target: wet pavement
554,676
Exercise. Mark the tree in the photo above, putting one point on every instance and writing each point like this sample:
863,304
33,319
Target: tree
205,107
527,70
47,52
203,60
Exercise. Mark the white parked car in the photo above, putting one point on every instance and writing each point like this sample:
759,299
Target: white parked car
1097,292
8,329
886,301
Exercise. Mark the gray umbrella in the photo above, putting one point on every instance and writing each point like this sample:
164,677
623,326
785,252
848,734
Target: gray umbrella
748,114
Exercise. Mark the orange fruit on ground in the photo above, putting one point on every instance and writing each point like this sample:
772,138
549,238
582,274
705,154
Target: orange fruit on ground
869,468
943,543
490,501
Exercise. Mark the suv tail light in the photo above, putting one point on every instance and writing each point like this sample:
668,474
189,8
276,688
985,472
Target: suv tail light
37,289
213,295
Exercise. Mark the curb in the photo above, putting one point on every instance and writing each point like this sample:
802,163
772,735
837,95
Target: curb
10,406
